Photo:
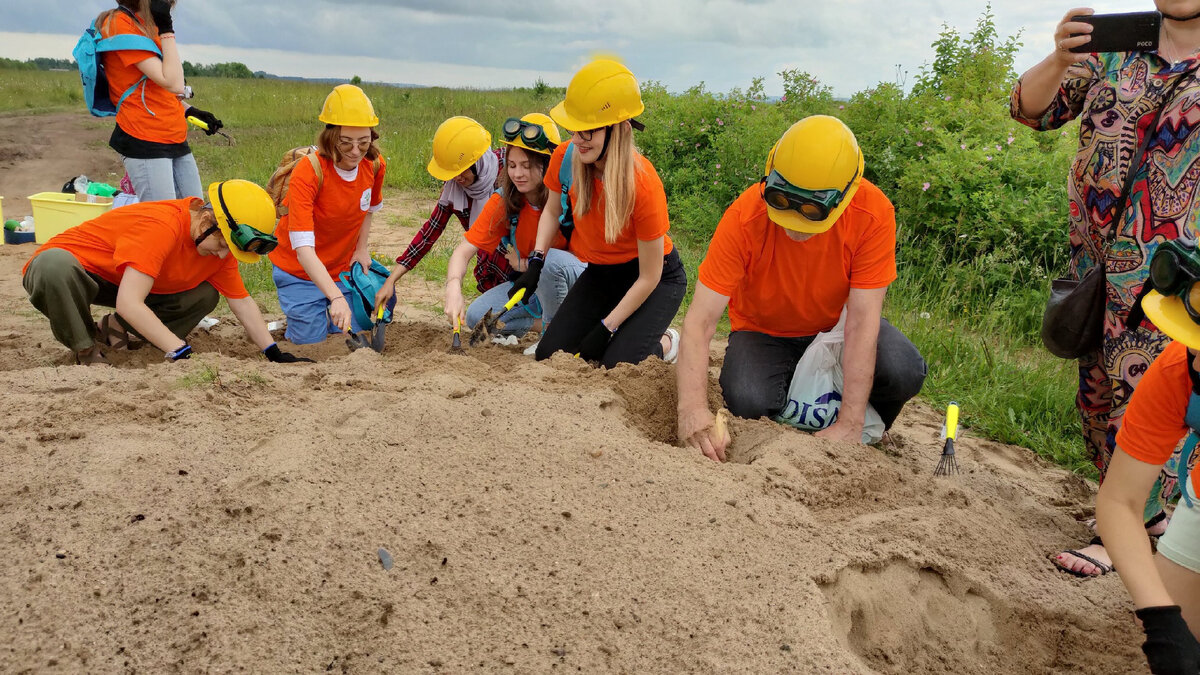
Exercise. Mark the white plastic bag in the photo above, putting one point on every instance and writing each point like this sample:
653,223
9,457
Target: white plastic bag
815,395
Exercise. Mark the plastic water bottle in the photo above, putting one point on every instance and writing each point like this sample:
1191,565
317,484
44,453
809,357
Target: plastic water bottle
26,224
81,184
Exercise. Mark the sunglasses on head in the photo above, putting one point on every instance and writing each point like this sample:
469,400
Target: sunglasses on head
532,135
1175,270
814,205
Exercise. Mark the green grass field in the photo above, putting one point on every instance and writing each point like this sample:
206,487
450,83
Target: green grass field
1008,388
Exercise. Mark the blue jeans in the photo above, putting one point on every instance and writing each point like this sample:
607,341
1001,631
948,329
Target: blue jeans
165,178
307,308
559,273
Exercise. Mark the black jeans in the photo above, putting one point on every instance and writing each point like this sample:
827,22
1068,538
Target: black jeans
758,371
597,291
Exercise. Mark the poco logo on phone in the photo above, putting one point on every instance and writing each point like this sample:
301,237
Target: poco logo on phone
1146,43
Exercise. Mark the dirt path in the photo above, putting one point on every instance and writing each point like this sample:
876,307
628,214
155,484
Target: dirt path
227,513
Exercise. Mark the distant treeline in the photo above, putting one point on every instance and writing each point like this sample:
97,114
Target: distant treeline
232,70
38,64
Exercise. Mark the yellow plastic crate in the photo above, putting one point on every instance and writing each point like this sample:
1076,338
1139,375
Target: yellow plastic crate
56,212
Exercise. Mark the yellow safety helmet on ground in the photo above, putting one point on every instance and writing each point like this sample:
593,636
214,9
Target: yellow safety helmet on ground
348,106
602,93
245,216
457,144
531,132
821,167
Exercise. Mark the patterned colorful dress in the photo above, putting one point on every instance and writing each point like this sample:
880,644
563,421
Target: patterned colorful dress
1115,97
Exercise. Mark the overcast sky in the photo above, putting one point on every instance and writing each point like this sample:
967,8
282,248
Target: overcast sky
848,44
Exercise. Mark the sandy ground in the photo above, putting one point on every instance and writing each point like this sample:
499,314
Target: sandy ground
227,514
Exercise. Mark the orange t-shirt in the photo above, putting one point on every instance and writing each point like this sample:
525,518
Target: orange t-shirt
1155,422
154,238
150,113
790,288
492,225
332,218
647,223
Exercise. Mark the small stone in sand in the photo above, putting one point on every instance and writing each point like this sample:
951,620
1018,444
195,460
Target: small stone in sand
385,558
60,554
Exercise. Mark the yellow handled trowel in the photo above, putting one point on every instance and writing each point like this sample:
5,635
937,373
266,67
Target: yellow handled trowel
491,321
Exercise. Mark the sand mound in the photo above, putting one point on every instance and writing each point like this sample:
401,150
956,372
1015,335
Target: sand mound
227,513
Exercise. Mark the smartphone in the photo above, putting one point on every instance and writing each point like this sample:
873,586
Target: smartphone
1127,32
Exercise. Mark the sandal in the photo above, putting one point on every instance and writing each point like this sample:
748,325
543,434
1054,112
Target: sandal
91,357
1104,569
111,332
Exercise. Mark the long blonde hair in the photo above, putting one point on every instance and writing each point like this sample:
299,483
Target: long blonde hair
620,186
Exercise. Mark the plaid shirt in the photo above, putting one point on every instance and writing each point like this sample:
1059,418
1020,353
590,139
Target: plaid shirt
491,268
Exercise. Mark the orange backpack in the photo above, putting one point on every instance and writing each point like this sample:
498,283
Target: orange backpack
277,186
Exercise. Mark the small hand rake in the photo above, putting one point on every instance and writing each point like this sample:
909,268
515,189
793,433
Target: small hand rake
948,465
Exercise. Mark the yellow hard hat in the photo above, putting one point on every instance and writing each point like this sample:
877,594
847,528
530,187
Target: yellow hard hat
602,93
348,106
1171,317
548,128
817,153
457,144
247,204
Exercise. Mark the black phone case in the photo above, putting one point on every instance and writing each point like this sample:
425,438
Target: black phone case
1127,32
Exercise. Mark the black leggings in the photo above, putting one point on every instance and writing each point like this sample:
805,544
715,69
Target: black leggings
597,291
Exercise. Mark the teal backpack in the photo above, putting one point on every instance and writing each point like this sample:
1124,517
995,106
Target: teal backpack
91,68
566,222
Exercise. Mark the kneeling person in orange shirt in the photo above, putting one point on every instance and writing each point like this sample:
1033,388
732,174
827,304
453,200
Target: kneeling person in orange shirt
163,265
812,237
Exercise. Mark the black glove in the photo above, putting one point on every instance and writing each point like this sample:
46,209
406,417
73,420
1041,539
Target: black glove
1170,647
160,11
529,278
276,355
214,124
595,343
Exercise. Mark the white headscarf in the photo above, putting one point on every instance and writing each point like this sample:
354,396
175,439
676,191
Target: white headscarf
486,170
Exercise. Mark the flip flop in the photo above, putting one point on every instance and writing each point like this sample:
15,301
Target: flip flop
1104,569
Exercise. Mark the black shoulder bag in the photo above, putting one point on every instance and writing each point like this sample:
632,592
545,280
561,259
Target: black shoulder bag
1073,324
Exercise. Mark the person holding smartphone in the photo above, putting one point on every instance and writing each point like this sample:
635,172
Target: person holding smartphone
1115,95
151,129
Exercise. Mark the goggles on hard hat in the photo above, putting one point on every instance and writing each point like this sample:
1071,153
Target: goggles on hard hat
532,135
1175,270
815,205
245,237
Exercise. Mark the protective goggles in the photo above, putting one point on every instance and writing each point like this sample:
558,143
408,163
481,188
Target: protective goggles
1175,270
532,135
815,205
243,236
